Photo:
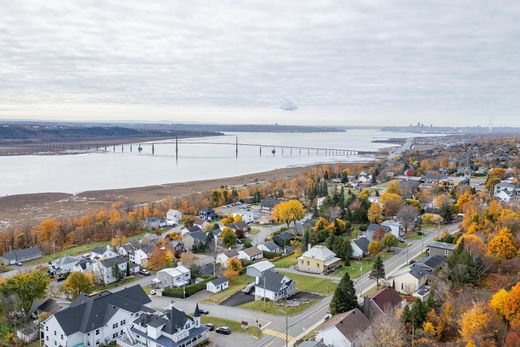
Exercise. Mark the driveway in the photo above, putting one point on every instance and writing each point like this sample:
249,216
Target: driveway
237,299
305,295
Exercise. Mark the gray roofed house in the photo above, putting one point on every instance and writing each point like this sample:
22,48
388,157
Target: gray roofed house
270,246
432,262
441,248
90,313
273,286
372,228
51,306
217,285
197,236
359,247
21,255
349,328
259,268
283,239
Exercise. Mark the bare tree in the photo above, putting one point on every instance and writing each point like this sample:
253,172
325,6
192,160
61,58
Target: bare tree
387,331
407,216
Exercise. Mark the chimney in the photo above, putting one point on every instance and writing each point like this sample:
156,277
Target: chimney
309,247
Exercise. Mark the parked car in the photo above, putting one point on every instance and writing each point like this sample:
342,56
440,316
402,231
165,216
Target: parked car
144,272
249,288
210,326
19,263
203,311
327,317
223,330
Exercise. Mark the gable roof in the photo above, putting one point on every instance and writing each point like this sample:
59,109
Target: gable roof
99,250
219,280
362,243
271,246
352,324
319,252
108,263
262,266
239,226
198,235
252,251
281,238
230,253
386,298
442,245
23,253
432,262
87,313
272,281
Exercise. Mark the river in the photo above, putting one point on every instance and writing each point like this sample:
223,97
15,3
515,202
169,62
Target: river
75,173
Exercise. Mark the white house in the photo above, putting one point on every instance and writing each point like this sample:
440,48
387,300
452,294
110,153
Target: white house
251,254
274,286
359,247
217,285
223,257
140,255
347,329
110,270
409,278
247,216
258,269
174,276
96,319
396,227
173,217
172,328
63,265
103,253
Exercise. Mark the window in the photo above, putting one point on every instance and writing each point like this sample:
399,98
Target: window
123,322
62,336
402,286
446,252
308,262
317,265
55,333
97,332
114,325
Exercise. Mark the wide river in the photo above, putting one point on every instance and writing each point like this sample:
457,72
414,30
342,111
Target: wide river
75,173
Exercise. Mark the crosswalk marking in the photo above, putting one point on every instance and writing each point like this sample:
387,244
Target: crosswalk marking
277,334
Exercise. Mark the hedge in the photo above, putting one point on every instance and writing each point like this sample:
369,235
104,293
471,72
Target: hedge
189,290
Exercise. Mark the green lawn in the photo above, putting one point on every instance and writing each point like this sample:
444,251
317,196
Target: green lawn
254,231
5,268
235,326
354,269
272,308
85,248
413,237
234,287
101,287
321,286
286,261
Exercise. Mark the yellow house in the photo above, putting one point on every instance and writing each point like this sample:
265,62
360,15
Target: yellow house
318,259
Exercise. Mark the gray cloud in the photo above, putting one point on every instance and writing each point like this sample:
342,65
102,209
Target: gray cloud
396,61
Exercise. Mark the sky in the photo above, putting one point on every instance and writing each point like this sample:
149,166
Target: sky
335,62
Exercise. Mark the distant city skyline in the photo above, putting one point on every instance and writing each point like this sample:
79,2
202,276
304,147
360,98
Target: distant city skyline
292,62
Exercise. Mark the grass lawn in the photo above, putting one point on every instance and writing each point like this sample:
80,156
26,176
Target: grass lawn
272,308
85,248
101,287
321,286
254,231
235,326
413,237
5,268
354,269
286,261
234,287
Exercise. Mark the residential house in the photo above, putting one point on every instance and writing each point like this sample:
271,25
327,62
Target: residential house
268,204
21,255
173,217
48,306
347,329
150,239
318,259
84,265
383,300
63,265
174,276
396,228
260,268
283,239
103,253
176,247
246,215
208,214
172,328
273,286
204,263
223,257
197,236
92,320
200,222
154,223
270,246
110,270
359,247
372,228
217,285
251,254
190,229
140,255
240,228
507,187
410,278
441,248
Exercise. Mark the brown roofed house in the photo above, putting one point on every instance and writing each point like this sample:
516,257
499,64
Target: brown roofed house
382,301
345,329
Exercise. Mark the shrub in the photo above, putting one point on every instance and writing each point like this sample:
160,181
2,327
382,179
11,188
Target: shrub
189,289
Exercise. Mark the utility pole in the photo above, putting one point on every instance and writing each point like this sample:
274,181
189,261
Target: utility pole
286,324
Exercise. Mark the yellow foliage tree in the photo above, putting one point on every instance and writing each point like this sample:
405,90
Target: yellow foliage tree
498,301
321,223
374,247
364,194
391,203
375,213
393,187
429,328
474,322
288,211
512,306
502,245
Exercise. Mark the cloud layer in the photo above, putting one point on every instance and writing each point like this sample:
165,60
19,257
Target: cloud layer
367,62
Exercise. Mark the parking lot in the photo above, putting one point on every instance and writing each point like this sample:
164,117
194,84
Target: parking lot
219,340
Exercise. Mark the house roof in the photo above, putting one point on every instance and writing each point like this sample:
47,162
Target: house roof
193,229
319,252
252,251
280,238
270,245
22,253
108,263
442,245
230,253
48,305
272,281
99,250
87,313
386,298
352,324
219,280
362,243
372,227
432,262
198,235
66,260
262,266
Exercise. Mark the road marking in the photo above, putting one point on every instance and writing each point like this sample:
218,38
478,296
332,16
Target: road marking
277,334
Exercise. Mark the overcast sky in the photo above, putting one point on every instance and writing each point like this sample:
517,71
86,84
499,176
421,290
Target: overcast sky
340,62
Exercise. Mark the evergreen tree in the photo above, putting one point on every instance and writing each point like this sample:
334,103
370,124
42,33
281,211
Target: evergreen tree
378,270
406,316
306,240
344,298
418,313
461,267
128,268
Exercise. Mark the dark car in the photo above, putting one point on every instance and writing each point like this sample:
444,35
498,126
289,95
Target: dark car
210,326
223,330
203,311
144,272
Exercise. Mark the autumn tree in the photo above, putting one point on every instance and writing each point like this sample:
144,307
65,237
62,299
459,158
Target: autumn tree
235,264
494,177
228,237
375,213
288,211
386,330
157,259
474,322
118,241
374,247
27,286
393,187
389,240
378,270
502,245
391,203
76,283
